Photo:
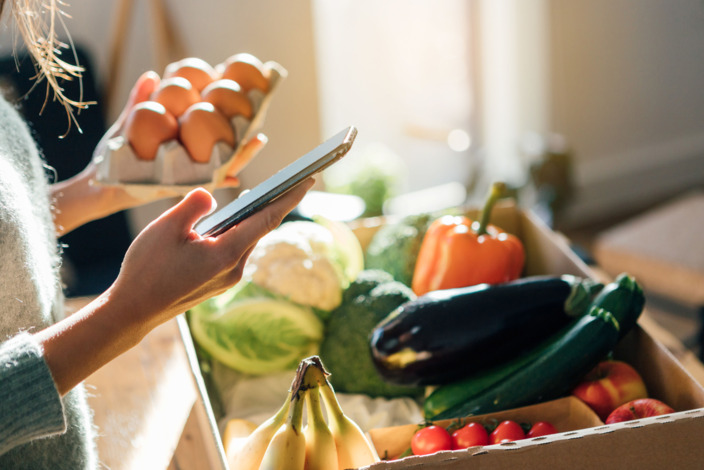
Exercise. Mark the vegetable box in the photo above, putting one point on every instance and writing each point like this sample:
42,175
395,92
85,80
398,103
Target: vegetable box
583,441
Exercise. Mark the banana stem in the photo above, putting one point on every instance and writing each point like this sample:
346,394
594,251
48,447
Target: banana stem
281,415
310,374
295,418
335,413
315,409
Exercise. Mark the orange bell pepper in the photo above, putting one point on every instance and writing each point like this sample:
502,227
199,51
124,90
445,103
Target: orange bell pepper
458,252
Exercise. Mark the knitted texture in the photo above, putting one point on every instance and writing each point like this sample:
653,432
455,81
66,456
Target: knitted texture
31,299
29,403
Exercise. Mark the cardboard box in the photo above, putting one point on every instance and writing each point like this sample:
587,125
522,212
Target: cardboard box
566,414
671,441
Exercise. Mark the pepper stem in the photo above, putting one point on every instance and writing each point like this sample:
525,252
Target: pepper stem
497,190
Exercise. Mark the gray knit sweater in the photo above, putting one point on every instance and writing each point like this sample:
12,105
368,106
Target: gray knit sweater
38,429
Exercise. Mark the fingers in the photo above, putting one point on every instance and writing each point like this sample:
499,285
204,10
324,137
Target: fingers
143,88
238,271
186,213
260,223
249,150
141,91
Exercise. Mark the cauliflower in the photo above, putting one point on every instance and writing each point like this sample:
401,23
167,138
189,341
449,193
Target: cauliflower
299,261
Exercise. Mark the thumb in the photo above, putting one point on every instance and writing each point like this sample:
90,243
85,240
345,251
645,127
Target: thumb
187,212
141,91
250,149
143,88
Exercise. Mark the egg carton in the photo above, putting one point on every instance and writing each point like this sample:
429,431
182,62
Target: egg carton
173,171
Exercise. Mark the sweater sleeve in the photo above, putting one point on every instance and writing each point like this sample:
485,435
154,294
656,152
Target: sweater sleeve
30,405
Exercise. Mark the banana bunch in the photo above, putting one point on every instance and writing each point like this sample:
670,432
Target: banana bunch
282,443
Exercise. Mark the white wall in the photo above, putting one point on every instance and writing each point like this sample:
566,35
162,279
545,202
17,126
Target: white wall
401,71
628,92
513,79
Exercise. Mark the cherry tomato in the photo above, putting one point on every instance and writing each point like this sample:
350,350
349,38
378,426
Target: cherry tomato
507,431
541,428
430,439
472,434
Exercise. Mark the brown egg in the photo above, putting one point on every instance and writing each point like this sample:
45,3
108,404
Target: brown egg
147,126
201,127
195,70
227,96
246,70
176,94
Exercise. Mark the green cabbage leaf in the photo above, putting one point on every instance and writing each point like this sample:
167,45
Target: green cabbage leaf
254,331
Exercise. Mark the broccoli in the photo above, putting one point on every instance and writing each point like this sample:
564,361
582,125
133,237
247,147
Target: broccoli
345,348
366,280
395,246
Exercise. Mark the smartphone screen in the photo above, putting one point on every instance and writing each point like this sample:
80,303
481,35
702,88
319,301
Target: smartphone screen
285,179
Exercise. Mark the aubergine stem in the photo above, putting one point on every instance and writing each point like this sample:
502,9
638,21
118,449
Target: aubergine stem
497,191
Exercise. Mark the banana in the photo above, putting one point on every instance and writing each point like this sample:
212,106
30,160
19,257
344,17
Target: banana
280,443
321,452
287,449
353,448
250,454
236,433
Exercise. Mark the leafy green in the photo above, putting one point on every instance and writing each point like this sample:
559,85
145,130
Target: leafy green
348,251
254,331
394,247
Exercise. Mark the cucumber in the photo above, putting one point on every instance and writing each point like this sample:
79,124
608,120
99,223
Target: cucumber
553,374
623,298
445,335
454,394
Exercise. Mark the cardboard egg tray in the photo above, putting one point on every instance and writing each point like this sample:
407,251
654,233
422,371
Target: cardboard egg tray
173,170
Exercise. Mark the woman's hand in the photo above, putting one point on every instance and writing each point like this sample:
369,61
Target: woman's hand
172,268
168,269
78,200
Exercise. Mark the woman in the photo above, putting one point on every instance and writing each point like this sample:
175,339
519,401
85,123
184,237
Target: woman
44,357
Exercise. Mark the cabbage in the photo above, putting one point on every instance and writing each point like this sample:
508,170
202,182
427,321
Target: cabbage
346,247
255,332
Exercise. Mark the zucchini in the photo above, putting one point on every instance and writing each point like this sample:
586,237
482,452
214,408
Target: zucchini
444,335
454,394
623,298
557,369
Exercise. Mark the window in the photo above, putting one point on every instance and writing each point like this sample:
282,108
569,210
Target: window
400,70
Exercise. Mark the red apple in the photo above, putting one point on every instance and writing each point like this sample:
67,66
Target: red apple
636,409
609,385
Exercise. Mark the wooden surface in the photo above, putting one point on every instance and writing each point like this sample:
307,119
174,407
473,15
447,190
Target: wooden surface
142,401
663,248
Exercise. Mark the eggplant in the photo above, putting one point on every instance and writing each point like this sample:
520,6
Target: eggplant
445,335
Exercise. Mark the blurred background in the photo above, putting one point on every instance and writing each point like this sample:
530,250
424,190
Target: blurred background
590,110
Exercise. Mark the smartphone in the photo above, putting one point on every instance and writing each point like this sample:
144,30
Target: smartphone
278,184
